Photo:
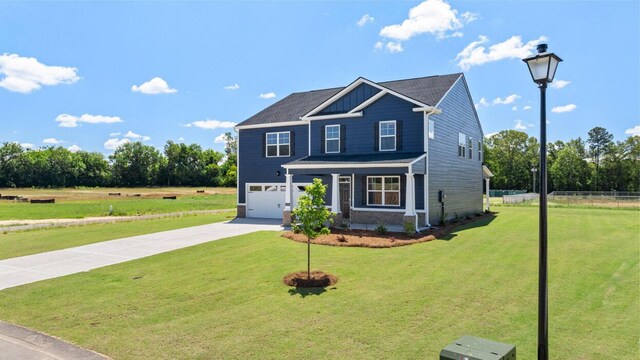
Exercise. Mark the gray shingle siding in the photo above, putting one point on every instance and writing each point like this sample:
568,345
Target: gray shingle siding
460,178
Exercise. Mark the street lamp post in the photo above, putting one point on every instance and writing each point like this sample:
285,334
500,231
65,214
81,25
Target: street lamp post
533,179
542,67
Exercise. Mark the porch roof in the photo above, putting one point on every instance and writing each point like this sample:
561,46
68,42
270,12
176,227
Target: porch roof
379,160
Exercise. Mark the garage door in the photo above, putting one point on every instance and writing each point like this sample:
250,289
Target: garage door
267,200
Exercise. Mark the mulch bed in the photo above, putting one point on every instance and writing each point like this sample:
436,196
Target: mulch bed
372,239
318,279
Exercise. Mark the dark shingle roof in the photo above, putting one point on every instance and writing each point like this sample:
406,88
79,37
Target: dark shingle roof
387,158
428,90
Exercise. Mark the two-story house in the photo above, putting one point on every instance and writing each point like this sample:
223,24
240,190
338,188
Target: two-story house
391,152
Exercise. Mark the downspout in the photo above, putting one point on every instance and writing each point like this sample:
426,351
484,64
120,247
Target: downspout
427,111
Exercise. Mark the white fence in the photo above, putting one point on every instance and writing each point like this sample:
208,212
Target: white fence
516,199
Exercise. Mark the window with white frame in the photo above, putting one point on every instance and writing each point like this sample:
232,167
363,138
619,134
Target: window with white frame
432,130
383,190
332,138
479,150
388,135
470,147
462,145
278,144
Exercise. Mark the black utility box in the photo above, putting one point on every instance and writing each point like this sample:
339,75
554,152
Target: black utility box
474,348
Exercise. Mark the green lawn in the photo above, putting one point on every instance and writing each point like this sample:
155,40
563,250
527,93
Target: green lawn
80,203
15,244
225,299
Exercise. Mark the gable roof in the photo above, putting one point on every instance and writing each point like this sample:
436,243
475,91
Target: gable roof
427,90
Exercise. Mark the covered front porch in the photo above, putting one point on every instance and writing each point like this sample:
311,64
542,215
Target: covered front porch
369,190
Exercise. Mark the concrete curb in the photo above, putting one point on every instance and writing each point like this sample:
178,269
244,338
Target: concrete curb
18,342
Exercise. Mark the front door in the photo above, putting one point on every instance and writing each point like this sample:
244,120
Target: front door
345,197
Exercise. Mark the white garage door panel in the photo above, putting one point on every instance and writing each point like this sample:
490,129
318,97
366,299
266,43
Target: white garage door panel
267,200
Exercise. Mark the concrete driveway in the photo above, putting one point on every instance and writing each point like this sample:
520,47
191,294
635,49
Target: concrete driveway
31,268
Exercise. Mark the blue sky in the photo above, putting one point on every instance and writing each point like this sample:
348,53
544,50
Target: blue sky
92,75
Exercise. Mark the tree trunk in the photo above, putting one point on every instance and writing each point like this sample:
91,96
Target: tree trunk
308,257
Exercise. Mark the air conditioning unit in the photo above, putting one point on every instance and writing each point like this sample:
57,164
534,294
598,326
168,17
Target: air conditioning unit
474,348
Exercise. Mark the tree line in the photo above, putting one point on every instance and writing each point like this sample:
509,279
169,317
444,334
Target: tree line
596,164
131,164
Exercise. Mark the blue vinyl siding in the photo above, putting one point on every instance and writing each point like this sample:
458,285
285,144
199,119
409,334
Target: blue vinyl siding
350,100
360,131
460,178
255,167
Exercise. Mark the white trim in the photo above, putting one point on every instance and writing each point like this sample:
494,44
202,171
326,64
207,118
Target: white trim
353,190
383,190
276,124
244,203
309,138
378,209
416,160
448,91
326,139
395,135
345,166
369,101
277,144
333,116
429,109
431,127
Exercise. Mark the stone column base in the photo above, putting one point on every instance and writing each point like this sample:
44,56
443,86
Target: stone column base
286,218
241,211
409,219
337,220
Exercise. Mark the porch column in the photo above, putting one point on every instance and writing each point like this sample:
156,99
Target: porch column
335,193
487,193
287,194
410,203
286,213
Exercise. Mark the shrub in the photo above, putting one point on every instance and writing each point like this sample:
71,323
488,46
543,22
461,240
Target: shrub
409,228
380,229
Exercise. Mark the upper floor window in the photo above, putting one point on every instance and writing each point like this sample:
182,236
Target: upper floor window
479,150
462,145
332,138
432,130
388,135
278,144
470,148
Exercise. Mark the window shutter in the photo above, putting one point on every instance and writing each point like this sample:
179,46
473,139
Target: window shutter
399,135
343,138
264,145
322,139
292,143
376,135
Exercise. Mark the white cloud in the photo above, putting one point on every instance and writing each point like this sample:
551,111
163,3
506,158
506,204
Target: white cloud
113,144
153,87
515,108
268,95
219,139
180,138
232,87
394,47
490,135
114,134
67,120
365,19
482,103
475,54
74,148
51,141
378,45
27,145
25,74
634,131
131,135
559,84
564,108
434,17
526,107
520,125
211,124
508,100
